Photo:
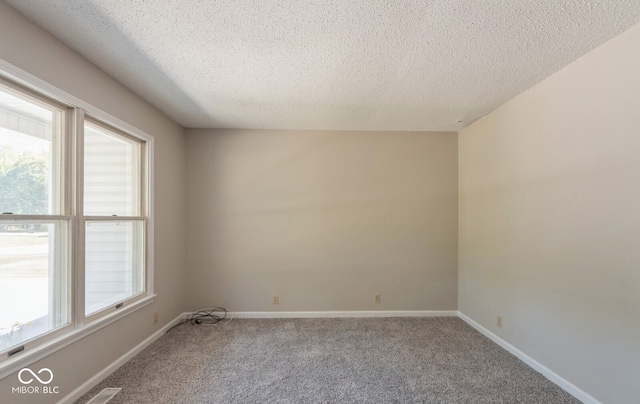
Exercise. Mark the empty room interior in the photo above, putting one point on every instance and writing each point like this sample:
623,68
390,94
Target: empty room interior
374,201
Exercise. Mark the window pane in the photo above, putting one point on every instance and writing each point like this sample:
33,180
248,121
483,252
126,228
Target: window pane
34,282
114,264
111,173
28,161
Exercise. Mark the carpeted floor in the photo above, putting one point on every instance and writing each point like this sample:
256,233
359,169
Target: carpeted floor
338,360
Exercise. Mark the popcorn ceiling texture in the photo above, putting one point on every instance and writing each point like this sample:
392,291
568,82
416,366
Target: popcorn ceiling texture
333,64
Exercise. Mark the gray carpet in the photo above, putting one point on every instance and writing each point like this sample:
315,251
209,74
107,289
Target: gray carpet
340,360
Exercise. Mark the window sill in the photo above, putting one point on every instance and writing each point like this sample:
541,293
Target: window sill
28,357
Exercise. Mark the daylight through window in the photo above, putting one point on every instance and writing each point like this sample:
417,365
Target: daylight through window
60,189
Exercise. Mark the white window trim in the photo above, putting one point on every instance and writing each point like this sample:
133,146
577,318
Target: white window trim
81,327
15,363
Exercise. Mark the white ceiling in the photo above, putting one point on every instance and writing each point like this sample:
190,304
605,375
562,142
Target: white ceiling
330,64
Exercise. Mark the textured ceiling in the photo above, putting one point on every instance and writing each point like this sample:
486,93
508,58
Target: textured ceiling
330,64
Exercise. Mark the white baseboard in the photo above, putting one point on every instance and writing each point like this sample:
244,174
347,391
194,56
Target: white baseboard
351,314
539,367
91,383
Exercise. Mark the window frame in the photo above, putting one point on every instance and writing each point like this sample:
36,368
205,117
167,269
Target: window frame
70,210
82,219
60,209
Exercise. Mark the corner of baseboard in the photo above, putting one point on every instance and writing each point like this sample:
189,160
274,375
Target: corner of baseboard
537,366
98,377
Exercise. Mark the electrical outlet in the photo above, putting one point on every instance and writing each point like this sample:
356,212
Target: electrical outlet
377,298
275,299
499,321
155,317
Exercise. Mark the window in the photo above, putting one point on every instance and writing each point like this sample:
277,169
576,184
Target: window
74,214
34,232
114,225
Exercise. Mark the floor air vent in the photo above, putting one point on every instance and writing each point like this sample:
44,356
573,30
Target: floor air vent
104,396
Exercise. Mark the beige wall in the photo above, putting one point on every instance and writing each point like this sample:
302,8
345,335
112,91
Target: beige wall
33,50
323,219
549,221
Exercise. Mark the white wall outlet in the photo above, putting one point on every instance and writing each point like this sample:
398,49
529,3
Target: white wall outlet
499,321
155,317
275,299
377,298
